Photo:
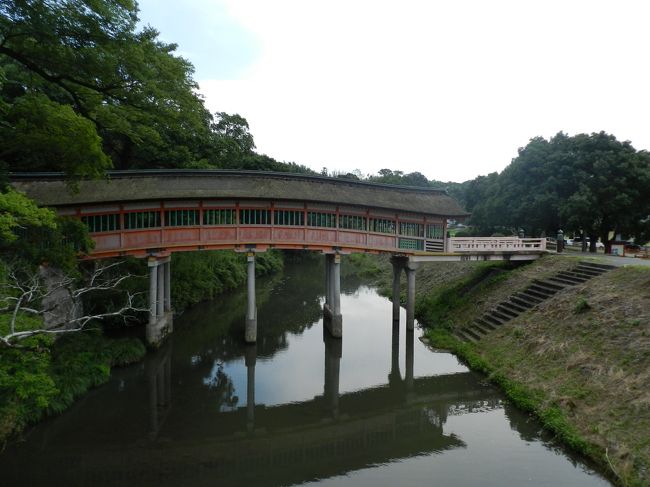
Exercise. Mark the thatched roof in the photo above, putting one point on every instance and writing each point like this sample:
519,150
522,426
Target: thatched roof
50,189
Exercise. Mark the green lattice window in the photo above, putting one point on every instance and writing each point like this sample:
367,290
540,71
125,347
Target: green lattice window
219,217
352,222
411,244
381,225
434,230
254,217
317,219
289,217
411,229
142,219
181,218
102,223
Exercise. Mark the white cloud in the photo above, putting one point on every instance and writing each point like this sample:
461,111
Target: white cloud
450,89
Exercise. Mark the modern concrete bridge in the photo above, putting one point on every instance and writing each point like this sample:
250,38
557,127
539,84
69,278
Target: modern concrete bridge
152,214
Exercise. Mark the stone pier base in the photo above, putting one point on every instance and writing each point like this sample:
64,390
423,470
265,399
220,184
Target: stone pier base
157,331
333,322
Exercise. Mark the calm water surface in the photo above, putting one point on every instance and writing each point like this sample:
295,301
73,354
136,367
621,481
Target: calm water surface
376,408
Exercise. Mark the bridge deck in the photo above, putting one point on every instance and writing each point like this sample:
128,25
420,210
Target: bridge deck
145,213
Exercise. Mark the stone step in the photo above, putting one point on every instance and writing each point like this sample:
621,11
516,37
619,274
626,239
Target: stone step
568,282
542,290
589,271
487,324
474,336
535,294
572,276
505,308
462,336
493,319
548,284
605,267
579,274
482,329
500,315
519,307
524,301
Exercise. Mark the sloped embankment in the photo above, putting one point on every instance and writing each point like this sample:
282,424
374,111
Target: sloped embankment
580,360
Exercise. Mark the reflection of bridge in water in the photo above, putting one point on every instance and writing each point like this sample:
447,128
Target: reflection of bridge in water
254,444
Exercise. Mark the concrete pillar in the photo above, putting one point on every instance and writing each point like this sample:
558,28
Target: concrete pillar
410,296
251,307
328,278
250,360
410,349
336,285
160,324
160,298
168,287
397,272
153,291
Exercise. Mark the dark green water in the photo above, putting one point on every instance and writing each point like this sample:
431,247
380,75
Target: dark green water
376,408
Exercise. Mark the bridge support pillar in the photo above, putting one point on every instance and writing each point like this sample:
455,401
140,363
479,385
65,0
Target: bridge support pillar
160,316
410,295
251,307
398,265
333,319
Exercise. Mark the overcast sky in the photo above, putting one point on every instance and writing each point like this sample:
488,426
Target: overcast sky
450,89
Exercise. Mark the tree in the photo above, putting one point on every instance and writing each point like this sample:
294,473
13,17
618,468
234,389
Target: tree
28,294
586,182
87,55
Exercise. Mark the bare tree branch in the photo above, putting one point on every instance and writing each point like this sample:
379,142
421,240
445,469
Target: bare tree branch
28,294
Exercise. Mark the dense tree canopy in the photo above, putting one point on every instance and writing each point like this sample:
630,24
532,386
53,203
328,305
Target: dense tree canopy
83,90
593,183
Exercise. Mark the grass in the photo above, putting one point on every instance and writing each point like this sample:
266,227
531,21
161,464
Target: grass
580,361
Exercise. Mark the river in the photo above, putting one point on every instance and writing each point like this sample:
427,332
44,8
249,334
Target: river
377,408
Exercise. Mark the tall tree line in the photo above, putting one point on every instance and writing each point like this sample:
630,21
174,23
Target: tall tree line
590,183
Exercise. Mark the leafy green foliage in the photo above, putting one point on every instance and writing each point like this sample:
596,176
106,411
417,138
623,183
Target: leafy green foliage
82,88
46,135
35,235
202,275
37,382
589,182
581,306
17,212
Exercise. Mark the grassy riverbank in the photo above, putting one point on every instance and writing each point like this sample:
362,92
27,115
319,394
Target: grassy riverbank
580,361
47,377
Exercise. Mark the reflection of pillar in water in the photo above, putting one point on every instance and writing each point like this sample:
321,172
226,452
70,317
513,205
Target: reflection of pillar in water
251,360
410,346
333,354
394,376
153,402
158,371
